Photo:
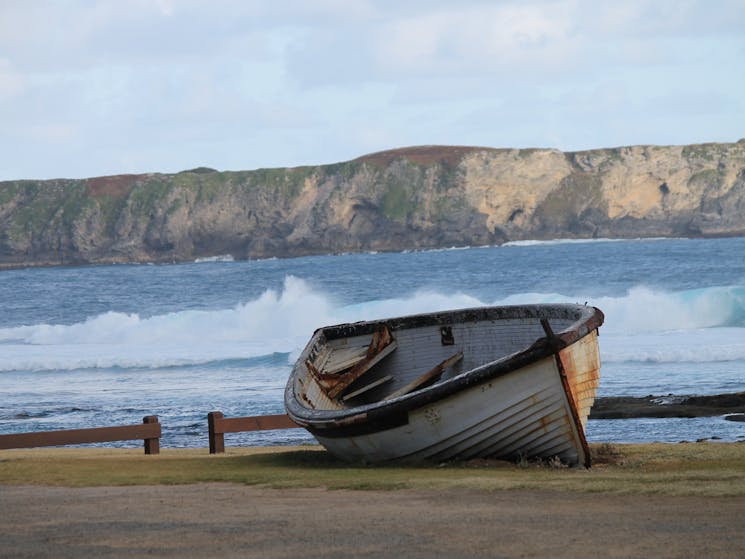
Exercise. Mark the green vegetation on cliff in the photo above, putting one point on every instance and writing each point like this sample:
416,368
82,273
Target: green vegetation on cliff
410,198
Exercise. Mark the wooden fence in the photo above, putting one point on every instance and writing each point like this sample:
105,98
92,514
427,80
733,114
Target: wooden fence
218,425
149,431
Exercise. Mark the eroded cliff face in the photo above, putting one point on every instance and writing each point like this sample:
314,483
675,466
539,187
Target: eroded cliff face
412,198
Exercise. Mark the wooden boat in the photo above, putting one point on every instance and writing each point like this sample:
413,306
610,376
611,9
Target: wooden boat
506,382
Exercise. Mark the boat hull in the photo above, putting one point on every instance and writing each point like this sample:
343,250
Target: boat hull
533,405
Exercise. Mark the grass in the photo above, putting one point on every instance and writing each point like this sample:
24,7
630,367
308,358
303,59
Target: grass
703,469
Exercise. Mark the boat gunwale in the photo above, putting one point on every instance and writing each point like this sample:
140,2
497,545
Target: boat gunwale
386,414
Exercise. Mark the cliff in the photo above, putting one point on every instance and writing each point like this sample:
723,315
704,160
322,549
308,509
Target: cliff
412,198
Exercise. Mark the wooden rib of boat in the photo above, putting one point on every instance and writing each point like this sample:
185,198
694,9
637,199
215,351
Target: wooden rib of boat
506,382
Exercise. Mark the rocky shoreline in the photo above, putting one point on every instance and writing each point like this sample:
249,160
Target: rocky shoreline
414,198
731,406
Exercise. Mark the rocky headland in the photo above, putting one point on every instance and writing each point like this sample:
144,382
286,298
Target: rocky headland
731,406
404,199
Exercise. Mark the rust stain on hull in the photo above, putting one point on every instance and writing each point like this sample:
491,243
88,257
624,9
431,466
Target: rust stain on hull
581,362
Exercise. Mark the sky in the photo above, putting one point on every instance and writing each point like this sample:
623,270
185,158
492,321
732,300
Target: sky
102,87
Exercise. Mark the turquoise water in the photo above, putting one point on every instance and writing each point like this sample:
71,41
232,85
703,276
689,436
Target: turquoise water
106,345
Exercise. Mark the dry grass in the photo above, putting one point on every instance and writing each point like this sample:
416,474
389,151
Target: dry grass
423,155
705,469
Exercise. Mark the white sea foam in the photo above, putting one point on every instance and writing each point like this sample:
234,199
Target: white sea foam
642,309
220,258
421,302
445,249
707,345
274,322
641,325
528,243
647,310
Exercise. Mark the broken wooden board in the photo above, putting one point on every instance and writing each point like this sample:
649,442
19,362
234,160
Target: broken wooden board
344,358
345,379
367,387
429,376
336,370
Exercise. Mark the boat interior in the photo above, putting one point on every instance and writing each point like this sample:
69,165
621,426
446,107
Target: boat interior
344,371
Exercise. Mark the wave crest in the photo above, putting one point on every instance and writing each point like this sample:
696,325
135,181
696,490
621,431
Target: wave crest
282,322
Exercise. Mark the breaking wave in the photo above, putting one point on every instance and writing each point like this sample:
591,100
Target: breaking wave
644,324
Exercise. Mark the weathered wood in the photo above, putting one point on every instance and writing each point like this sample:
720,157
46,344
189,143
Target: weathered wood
256,423
218,425
505,388
149,431
367,387
430,375
340,368
344,358
152,444
217,440
360,369
319,361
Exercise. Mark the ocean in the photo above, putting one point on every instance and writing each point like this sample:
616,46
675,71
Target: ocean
107,345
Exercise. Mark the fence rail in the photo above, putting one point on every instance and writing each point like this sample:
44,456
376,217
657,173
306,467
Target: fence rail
149,431
218,425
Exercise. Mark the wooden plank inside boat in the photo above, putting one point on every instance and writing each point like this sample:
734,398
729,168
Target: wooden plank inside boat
344,358
430,376
367,387
341,367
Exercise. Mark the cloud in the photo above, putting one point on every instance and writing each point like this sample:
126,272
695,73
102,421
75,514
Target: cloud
51,133
475,39
12,82
447,40
153,84
165,7
528,40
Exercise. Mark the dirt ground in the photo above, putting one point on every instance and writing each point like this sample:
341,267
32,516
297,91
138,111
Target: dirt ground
225,520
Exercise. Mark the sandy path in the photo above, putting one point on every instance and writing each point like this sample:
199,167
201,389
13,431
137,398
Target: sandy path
222,520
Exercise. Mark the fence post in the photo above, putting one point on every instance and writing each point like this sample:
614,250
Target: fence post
152,446
217,439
